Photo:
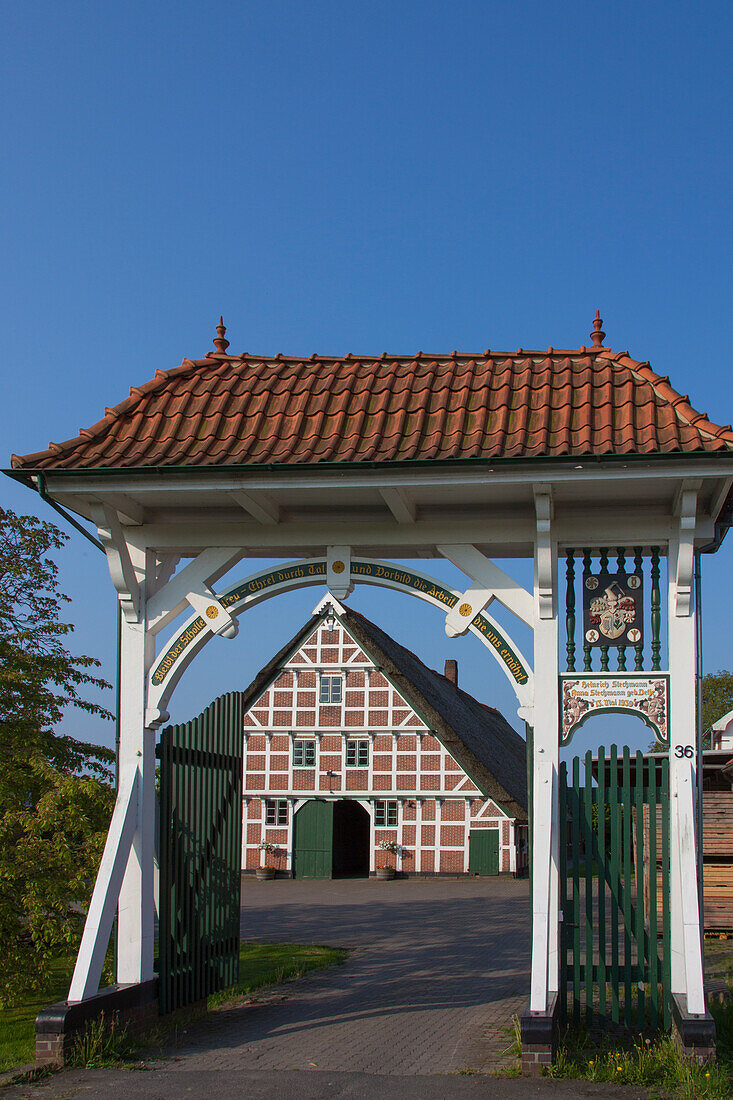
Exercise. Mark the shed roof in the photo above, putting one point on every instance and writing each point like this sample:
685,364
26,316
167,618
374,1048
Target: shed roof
243,410
478,736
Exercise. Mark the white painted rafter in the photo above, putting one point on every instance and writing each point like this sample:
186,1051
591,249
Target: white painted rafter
258,504
400,505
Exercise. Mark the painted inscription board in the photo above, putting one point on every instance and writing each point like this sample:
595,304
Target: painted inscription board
583,696
310,572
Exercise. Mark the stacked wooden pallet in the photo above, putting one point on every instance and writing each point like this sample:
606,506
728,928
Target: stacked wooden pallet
717,813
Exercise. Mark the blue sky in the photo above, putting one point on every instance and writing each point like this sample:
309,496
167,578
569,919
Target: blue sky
339,177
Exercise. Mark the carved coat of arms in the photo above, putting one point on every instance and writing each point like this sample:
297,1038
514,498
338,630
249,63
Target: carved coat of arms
612,609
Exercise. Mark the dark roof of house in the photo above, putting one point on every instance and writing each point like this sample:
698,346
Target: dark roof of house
234,410
478,736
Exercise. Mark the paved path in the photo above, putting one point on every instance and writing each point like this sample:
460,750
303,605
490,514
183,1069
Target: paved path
437,970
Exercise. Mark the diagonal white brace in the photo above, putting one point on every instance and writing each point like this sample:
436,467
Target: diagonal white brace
204,570
98,925
491,583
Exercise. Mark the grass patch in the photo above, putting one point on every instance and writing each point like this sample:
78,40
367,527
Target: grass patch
104,1043
651,1063
17,1025
263,964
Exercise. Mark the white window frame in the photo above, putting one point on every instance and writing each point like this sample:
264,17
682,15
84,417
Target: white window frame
385,807
305,746
328,680
277,808
361,752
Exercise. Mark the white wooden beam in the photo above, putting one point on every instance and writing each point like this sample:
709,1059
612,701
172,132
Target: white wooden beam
119,561
100,916
687,512
260,506
129,509
491,582
402,508
719,498
543,513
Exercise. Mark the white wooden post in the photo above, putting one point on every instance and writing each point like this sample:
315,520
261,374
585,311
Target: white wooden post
135,923
545,833
686,956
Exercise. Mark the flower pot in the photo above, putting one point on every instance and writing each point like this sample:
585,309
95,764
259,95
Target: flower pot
265,872
384,873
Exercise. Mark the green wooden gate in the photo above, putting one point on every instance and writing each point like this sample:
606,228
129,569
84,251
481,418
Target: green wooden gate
614,891
483,852
313,840
200,853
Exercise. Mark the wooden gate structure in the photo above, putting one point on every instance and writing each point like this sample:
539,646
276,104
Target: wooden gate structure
614,954
200,853
347,469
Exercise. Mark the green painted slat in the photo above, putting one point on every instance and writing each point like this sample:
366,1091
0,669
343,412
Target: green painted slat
641,954
570,611
626,825
653,899
603,565
587,817
587,649
575,806
656,616
602,857
564,909
639,649
201,787
615,874
666,960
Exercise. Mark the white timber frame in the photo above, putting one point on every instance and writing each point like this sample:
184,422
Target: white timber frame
468,516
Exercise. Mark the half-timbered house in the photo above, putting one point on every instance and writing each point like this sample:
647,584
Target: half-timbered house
353,744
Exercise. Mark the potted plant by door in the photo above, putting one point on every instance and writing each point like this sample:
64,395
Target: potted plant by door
386,870
266,870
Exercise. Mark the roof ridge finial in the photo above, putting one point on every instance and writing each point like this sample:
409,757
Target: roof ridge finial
220,343
597,336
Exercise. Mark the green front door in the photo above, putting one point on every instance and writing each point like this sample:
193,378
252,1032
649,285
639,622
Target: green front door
483,852
313,841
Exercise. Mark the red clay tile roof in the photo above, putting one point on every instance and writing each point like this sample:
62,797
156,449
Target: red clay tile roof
241,410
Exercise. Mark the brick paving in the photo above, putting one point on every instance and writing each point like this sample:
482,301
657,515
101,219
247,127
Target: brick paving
437,969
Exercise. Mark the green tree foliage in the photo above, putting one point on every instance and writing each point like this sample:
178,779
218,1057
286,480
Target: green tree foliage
55,792
717,700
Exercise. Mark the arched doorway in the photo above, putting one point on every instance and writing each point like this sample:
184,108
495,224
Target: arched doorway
331,839
350,839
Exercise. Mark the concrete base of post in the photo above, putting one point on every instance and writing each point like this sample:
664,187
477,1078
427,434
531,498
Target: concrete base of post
539,1032
60,1025
695,1033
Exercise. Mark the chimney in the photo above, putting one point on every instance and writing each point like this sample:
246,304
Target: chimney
451,672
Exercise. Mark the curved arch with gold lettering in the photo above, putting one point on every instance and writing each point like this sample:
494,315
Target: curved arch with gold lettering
190,640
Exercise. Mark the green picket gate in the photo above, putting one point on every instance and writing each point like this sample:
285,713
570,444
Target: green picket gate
200,853
614,891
